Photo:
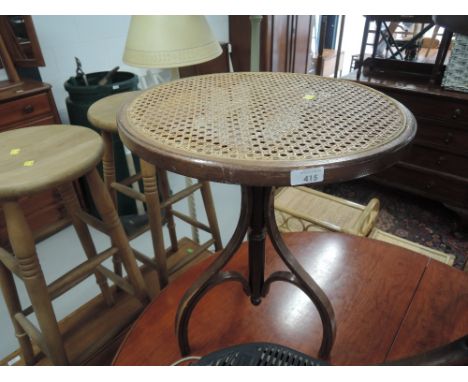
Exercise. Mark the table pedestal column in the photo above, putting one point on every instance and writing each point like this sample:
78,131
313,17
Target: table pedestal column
257,217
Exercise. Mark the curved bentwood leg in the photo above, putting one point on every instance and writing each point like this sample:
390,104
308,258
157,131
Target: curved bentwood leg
257,216
212,276
299,277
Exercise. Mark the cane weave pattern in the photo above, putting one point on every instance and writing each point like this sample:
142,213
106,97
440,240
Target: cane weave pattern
266,117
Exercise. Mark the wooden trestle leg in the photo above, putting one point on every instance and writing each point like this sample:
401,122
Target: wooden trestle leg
72,205
150,185
108,213
109,177
22,243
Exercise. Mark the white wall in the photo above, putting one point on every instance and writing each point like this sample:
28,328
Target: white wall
98,41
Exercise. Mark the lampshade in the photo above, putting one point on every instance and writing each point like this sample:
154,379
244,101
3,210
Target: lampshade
169,41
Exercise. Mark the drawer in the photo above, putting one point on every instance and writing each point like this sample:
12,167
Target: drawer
447,138
440,108
438,160
447,189
40,210
23,109
47,120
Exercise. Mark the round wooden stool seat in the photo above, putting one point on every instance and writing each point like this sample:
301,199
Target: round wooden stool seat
37,158
102,113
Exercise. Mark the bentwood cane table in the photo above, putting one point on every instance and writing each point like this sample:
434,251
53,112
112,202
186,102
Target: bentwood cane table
262,130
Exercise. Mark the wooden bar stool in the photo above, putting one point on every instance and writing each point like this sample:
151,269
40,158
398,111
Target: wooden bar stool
156,195
44,157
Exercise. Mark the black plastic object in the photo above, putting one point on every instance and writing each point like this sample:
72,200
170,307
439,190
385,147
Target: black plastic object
258,354
80,98
79,94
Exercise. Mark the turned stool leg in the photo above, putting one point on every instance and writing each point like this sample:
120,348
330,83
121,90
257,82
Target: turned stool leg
13,304
73,206
23,246
211,214
165,194
153,206
108,213
108,173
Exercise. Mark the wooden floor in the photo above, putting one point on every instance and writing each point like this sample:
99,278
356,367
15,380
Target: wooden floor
93,332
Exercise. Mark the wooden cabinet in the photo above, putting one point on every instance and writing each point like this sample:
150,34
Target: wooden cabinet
284,43
25,111
31,104
437,164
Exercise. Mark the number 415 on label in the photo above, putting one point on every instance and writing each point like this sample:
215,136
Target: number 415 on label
306,176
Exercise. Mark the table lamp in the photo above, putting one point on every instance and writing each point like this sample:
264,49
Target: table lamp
171,42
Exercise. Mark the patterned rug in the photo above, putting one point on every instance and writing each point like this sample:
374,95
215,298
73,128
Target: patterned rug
411,217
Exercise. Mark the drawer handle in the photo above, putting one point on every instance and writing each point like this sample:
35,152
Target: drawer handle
456,113
28,109
448,138
429,185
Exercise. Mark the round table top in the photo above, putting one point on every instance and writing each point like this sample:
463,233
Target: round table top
102,114
261,128
389,303
37,158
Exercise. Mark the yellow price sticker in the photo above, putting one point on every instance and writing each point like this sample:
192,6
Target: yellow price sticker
15,151
310,97
28,163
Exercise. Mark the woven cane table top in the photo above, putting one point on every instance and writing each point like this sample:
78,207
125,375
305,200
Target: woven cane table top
255,128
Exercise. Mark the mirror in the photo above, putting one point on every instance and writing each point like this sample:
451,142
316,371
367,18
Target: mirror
9,67
407,40
3,73
404,45
20,39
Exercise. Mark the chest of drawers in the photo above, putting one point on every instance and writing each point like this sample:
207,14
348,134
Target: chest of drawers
437,164
32,104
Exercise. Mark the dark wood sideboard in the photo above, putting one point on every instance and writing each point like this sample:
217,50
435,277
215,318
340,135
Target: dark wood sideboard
437,165
31,104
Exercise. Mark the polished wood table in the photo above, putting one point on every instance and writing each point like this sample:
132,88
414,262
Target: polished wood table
262,130
389,303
